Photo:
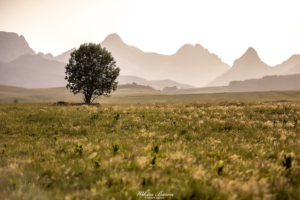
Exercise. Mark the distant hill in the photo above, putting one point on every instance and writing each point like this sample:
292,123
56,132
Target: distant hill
12,46
294,70
201,90
248,66
64,57
289,63
267,83
156,84
33,71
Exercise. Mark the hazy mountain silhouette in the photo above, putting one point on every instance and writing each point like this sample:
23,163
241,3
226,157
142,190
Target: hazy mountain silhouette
289,63
190,64
294,70
248,66
35,71
156,84
32,71
267,83
13,46
64,57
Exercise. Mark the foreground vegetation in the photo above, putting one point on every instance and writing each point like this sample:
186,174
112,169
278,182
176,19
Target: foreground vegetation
216,150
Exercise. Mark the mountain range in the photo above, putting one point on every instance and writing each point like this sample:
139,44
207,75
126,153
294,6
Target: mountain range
191,65
156,84
34,71
20,66
250,66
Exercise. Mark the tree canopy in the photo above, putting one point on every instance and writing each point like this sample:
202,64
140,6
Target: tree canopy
91,71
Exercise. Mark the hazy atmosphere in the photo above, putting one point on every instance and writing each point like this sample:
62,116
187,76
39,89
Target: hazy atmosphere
136,99
225,28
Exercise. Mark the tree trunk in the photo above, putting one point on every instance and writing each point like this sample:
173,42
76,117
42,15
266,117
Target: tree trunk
87,99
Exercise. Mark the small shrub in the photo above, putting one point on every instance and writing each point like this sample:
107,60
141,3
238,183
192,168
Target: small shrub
79,149
96,162
61,103
117,117
155,149
154,160
183,132
115,148
220,167
284,122
94,117
165,140
13,184
287,162
16,101
4,149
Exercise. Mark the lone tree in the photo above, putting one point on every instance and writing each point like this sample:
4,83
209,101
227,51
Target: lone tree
92,72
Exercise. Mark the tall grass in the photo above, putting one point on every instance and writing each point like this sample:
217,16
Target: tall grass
219,150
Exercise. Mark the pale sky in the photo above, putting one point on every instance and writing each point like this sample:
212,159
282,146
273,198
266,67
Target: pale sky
225,27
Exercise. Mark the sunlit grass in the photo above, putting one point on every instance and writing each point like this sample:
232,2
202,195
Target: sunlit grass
219,150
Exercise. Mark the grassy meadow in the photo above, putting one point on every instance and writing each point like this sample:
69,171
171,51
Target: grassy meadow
45,95
210,149
138,94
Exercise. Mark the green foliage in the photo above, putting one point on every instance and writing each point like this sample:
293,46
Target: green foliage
220,167
116,148
79,149
13,184
96,162
92,72
95,117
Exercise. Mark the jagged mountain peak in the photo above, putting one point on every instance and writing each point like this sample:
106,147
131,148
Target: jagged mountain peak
189,48
250,53
113,38
248,66
250,56
199,46
12,46
251,50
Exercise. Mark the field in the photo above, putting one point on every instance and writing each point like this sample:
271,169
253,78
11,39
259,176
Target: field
137,94
210,149
43,95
